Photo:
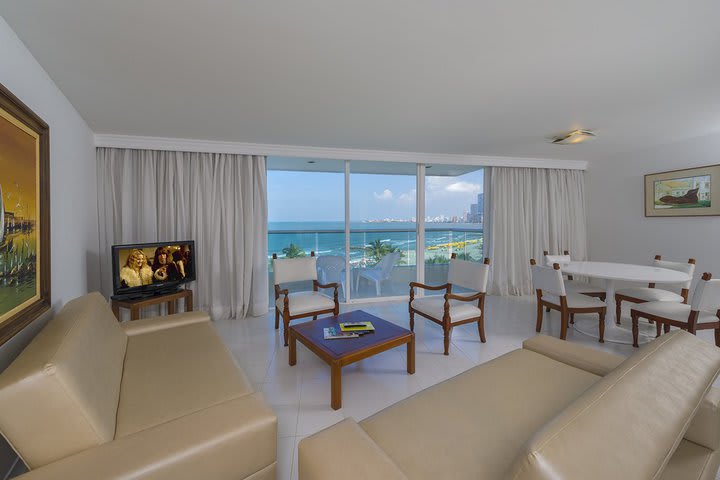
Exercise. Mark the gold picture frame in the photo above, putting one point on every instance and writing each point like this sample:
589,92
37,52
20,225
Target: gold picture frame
24,216
689,192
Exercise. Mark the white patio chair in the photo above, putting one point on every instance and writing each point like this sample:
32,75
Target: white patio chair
452,309
702,314
379,272
652,294
331,269
293,306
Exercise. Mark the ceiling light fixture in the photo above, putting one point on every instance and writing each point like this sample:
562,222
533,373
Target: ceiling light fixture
573,137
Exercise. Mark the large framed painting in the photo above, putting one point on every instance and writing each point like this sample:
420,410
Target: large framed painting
683,193
24,216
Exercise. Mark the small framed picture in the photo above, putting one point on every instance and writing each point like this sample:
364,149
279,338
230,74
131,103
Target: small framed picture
683,193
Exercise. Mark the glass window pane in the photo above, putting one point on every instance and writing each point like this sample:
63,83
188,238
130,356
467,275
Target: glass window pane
382,228
454,202
306,213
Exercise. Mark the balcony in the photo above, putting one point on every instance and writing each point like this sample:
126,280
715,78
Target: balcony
368,246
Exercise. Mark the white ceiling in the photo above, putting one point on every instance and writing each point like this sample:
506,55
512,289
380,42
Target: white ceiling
460,76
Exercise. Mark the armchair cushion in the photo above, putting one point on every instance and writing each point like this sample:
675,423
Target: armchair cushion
434,306
673,311
651,294
305,302
575,300
175,372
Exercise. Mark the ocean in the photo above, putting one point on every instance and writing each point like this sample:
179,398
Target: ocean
328,238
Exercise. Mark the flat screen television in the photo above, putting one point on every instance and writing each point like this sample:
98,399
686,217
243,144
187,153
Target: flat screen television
147,269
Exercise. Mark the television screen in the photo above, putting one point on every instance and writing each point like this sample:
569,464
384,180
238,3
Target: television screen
151,267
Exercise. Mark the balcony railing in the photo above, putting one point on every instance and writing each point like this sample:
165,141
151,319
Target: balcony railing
368,246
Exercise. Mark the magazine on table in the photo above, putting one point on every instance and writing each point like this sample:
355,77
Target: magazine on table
332,333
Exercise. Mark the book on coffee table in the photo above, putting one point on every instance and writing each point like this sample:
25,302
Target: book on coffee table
332,333
357,327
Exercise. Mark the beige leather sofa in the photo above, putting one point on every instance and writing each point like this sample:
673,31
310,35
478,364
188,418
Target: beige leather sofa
160,398
551,410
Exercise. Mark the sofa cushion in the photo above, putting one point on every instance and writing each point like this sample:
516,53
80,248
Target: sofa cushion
60,394
233,440
175,372
692,462
637,414
471,426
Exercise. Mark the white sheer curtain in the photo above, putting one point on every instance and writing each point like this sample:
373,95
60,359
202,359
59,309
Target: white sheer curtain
218,200
529,210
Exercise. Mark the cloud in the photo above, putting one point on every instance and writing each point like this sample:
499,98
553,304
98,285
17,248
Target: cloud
408,197
463,187
385,195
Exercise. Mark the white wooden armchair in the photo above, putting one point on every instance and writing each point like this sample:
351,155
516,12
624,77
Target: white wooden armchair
451,309
293,306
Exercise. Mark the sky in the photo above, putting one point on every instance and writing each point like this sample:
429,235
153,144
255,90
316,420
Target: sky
313,196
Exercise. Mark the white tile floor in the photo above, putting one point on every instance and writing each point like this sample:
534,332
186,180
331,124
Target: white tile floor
300,395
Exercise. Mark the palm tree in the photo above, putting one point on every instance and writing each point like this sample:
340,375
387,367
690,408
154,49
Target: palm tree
377,249
293,251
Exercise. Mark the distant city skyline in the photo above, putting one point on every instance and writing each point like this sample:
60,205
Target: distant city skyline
319,196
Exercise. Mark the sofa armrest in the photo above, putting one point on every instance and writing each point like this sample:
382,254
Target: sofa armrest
705,426
578,356
319,459
234,439
152,324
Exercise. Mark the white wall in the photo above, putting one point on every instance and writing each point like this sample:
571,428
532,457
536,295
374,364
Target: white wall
618,229
73,209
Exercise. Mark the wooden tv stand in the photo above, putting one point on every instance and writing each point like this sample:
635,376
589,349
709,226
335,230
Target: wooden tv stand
136,305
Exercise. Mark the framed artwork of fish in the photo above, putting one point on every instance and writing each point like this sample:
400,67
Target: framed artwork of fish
683,193
24,216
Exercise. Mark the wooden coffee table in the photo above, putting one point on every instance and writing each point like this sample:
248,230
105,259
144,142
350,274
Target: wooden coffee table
341,352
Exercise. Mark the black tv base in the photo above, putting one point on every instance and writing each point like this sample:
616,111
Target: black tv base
139,295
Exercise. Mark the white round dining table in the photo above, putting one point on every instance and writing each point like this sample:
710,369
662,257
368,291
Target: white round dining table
612,272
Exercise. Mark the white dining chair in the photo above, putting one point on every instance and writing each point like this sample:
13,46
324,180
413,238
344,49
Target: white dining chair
652,294
703,313
296,305
331,269
379,272
453,309
571,284
550,290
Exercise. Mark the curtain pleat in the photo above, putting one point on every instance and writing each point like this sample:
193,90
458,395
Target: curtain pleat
218,200
529,210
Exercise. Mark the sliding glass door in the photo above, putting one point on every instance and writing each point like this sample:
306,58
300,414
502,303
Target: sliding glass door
454,204
383,230
306,214
365,220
